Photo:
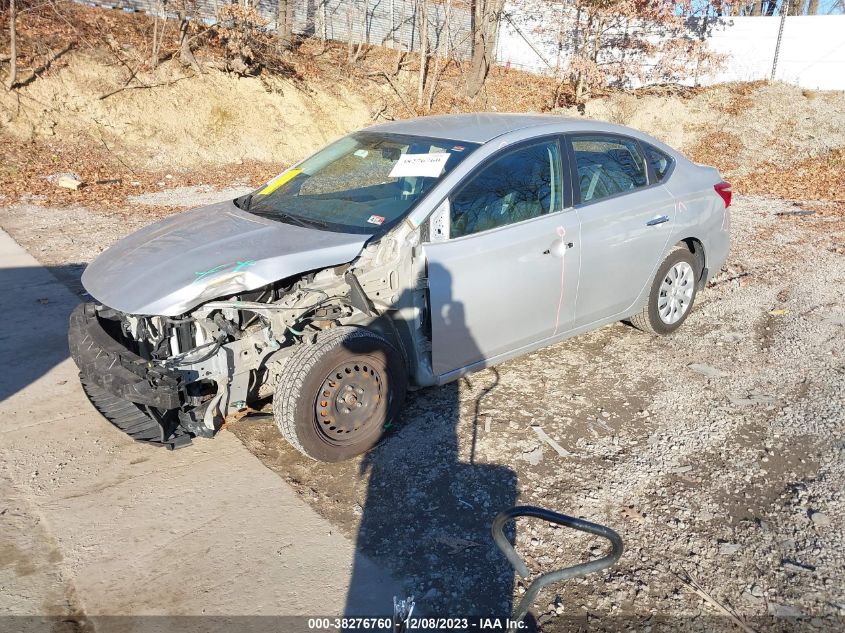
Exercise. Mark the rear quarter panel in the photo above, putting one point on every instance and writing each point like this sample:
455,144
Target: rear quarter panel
700,212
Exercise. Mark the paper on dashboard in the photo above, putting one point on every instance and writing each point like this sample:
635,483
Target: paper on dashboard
414,165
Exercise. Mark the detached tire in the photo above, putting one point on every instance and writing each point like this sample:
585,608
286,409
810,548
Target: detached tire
671,296
336,396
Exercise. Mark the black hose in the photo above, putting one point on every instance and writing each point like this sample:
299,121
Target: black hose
173,321
217,343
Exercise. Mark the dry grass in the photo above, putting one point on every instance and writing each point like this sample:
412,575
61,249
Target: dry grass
719,148
107,179
740,97
816,178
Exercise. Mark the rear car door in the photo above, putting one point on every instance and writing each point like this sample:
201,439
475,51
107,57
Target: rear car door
625,216
505,276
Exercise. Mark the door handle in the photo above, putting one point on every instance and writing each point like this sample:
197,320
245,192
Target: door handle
658,220
558,248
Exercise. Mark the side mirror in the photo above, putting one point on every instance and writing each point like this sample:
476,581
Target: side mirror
439,222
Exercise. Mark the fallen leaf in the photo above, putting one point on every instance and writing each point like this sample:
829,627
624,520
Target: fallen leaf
630,512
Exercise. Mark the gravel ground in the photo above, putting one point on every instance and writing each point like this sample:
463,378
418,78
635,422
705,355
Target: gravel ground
715,453
189,196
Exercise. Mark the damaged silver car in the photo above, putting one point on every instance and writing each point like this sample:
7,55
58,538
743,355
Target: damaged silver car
401,256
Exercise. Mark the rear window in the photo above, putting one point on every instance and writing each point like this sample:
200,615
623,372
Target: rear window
660,161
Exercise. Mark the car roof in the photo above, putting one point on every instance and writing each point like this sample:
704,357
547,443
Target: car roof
472,128
482,127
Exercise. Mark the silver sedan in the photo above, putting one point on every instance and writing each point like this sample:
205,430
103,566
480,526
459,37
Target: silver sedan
404,255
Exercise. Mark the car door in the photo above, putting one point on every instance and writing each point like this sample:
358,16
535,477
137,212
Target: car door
625,217
507,274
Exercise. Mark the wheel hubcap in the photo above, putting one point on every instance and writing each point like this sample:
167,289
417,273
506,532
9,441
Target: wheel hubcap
347,401
676,292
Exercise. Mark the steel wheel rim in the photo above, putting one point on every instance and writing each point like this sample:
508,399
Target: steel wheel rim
348,401
675,294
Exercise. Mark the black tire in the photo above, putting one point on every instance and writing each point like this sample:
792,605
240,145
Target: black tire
336,396
649,320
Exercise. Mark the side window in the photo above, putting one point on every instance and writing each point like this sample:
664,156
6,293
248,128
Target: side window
607,165
660,162
521,184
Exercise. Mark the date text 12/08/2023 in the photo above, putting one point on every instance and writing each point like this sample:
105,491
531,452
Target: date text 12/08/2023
414,623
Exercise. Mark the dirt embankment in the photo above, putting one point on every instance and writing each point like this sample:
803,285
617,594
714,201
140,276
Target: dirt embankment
184,119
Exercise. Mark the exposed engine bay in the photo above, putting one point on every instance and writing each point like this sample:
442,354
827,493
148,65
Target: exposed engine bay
188,373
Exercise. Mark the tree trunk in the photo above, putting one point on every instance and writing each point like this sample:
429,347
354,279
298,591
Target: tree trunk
13,46
441,60
432,82
350,39
186,55
353,52
154,55
423,22
284,22
485,23
813,7
757,8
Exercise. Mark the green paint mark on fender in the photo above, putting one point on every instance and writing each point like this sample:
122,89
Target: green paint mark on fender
246,264
238,266
202,274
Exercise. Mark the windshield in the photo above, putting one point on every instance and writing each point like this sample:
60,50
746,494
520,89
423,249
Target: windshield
363,183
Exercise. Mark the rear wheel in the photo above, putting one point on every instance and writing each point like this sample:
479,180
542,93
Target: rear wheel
335,397
671,296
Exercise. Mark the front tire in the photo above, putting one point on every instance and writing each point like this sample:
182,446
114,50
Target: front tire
671,296
336,396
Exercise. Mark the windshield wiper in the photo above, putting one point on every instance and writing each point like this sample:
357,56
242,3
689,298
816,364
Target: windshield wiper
244,202
305,222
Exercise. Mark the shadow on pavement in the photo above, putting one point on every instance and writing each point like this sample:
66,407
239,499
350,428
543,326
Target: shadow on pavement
429,506
33,330
428,510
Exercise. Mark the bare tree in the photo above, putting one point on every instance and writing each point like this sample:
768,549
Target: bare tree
354,51
13,46
442,53
159,22
249,46
185,11
239,26
422,16
485,22
621,42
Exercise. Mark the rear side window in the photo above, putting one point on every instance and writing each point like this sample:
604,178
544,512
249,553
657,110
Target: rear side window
660,162
607,165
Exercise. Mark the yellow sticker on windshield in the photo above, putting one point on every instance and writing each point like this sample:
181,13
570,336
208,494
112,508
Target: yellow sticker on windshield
279,180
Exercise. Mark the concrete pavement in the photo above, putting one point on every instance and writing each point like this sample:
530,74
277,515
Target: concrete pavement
93,523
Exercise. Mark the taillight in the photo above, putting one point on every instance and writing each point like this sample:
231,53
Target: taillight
724,190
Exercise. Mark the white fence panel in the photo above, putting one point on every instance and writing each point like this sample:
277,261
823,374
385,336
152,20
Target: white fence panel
812,53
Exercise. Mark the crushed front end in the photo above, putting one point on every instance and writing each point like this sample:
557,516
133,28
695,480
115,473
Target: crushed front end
164,380
176,354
